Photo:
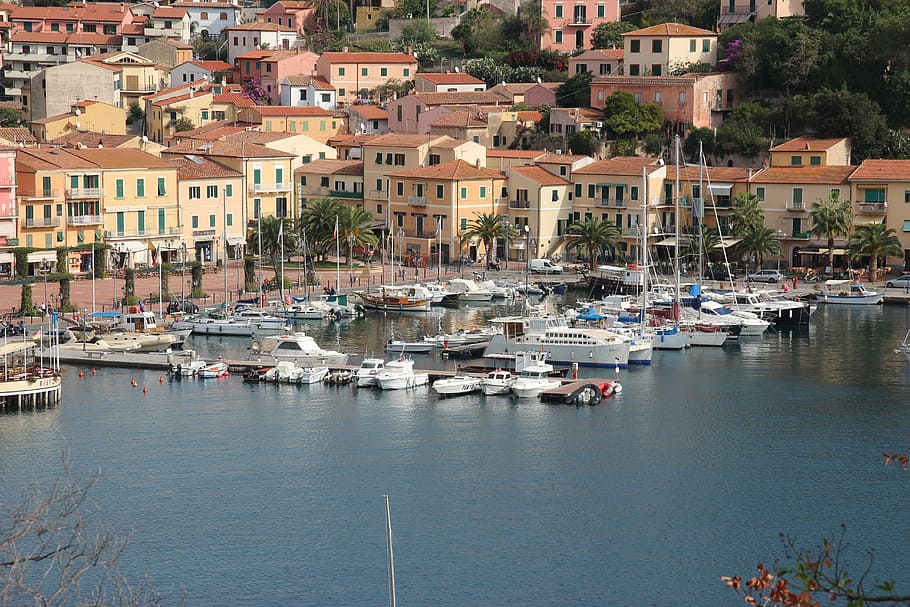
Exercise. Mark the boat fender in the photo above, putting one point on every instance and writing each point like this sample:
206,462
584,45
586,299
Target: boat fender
256,345
179,369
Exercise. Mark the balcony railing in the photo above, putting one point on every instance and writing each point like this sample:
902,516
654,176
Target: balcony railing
611,202
260,188
142,233
42,195
344,194
802,235
579,20
42,222
796,206
84,192
873,208
417,201
519,204
377,195
84,220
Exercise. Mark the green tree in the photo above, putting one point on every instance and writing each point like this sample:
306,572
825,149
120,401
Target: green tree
182,124
196,271
700,13
609,34
747,214
709,242
581,142
277,234
485,227
11,117
318,221
479,32
417,31
623,117
744,131
249,275
26,303
759,242
591,237
831,217
841,113
129,288
702,138
354,229
875,241
575,92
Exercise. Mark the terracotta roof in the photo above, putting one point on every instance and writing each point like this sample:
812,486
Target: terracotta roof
122,158
370,112
295,4
178,98
206,5
463,98
17,134
52,159
256,54
180,88
169,12
332,167
671,29
445,142
54,118
514,88
540,175
798,175
210,132
530,115
235,99
177,44
604,54
459,119
133,29
281,54
349,140
228,149
399,140
261,26
449,78
90,139
333,57
628,166
883,170
196,166
554,158
529,154
690,173
94,11
293,110
452,170
317,82
807,144
213,66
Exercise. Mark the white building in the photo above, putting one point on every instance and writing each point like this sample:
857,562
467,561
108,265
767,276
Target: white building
312,91
210,16
191,71
246,37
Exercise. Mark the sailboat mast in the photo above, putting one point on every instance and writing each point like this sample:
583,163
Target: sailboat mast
701,208
644,245
393,602
676,299
224,244
281,266
337,258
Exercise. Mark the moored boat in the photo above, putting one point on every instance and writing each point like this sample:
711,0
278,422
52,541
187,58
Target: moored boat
298,347
535,378
368,370
407,298
399,374
848,292
497,383
454,386
214,370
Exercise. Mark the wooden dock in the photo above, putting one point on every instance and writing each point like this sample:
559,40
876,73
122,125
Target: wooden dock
584,391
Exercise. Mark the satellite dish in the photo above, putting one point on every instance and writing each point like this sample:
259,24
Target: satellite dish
205,76
457,69
363,127
78,125
539,80
503,82
145,139
78,111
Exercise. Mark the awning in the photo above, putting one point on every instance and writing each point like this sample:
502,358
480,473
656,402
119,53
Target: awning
825,252
728,243
166,245
722,189
235,240
42,257
811,252
667,242
861,221
130,246
7,258
733,18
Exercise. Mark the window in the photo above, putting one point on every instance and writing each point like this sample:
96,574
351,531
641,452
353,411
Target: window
693,46
760,193
211,191
434,159
655,69
555,195
605,69
364,71
55,27
706,46
592,190
440,191
379,185
257,207
327,98
559,12
682,97
796,161
140,188
399,159
222,16
203,15
268,67
399,188
195,222
634,46
140,221
302,95
205,114
69,28
407,72
601,11
324,181
463,223
657,46
464,193
797,197
341,71
815,160
658,97
229,190
212,220
161,189
383,71
195,192
906,227
637,97
835,192
483,191
110,30
558,36
341,92
633,69
119,188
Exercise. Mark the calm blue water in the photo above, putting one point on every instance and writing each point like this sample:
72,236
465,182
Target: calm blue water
265,495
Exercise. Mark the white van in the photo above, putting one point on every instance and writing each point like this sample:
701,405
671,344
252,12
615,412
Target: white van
545,266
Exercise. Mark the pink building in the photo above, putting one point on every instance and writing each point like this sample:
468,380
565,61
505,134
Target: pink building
7,205
293,13
571,23
276,67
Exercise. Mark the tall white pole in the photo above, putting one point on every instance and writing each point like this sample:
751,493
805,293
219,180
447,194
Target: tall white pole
259,230
160,294
393,601
281,238
224,243
337,257
94,309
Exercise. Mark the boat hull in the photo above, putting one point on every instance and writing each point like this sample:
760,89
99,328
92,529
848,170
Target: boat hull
402,382
395,304
871,299
532,389
456,386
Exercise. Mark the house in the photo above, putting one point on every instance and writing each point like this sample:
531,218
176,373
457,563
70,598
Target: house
133,34
543,93
501,159
314,122
414,113
368,119
211,198
192,101
665,49
295,14
258,36
569,25
139,76
191,71
733,12
211,16
350,147
462,125
368,11
446,197
709,192
16,136
354,74
448,82
693,100
541,200
566,121
8,207
599,62
513,92
169,22
281,64
84,115
809,151
875,184
54,90
300,90
330,178
167,53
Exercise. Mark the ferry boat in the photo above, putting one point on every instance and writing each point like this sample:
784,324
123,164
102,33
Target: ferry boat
29,379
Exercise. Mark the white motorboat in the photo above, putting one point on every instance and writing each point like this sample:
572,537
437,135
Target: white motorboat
848,292
208,325
468,290
704,334
214,370
497,382
100,345
454,386
313,375
399,374
461,337
905,346
285,372
368,370
143,321
298,347
305,311
498,291
535,378
188,368
767,305
411,347
260,318
739,322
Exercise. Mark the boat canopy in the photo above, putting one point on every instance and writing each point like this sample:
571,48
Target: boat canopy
836,283
16,346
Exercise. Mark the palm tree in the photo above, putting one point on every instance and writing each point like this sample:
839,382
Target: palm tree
710,239
831,217
354,229
747,214
759,242
486,227
591,237
318,219
269,229
875,241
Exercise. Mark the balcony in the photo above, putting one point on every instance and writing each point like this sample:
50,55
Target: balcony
42,222
262,188
84,192
801,235
35,57
144,233
43,195
417,201
611,202
579,21
84,220
377,195
16,75
519,204
796,206
872,208
344,194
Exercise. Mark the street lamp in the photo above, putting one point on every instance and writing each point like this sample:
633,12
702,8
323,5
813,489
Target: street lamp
779,236
508,228
401,248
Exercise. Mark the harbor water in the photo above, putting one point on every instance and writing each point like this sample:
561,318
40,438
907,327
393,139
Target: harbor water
264,495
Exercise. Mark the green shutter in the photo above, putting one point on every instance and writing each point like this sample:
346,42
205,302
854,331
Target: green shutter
119,188
161,190
229,189
140,222
257,176
161,227
140,188
74,182
279,174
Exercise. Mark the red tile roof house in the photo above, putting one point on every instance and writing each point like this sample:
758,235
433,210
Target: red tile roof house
191,71
354,74
292,13
247,37
448,83
415,112
300,90
570,23
369,119
282,64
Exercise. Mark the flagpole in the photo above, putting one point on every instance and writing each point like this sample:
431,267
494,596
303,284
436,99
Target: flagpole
337,258
93,278
438,248
259,229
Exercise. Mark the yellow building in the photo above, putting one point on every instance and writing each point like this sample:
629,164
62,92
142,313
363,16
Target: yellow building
85,115
211,198
355,74
808,151
542,201
314,122
449,195
660,49
330,178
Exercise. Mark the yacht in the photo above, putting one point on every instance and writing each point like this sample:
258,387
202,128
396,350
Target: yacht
298,347
368,370
737,322
210,325
770,306
468,290
535,378
399,374
304,311
289,373
260,318
497,382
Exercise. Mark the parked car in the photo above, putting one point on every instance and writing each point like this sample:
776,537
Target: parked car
719,273
182,306
901,281
766,276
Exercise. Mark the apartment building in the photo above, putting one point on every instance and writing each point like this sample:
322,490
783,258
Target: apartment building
84,115
354,74
656,50
570,24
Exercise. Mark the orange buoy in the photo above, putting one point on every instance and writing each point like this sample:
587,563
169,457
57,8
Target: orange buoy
145,389
81,374
133,383
94,372
161,379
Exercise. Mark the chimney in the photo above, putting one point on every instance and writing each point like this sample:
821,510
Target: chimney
477,163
